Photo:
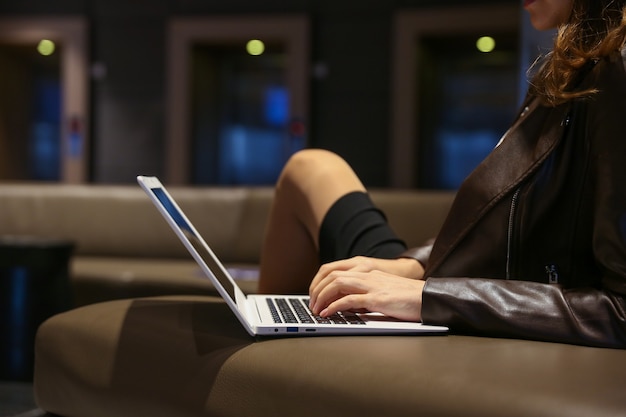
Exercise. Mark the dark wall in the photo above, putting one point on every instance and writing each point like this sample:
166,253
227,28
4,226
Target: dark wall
349,108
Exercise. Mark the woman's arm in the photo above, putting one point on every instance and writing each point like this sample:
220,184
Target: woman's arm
529,310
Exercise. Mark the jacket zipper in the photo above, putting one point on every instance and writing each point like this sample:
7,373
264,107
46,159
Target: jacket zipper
509,243
553,274
551,269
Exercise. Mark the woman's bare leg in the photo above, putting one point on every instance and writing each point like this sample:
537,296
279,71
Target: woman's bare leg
310,183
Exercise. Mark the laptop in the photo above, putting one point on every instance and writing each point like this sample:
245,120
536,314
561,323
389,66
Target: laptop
270,315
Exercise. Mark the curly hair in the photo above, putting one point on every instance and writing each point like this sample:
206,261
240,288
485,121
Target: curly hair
595,29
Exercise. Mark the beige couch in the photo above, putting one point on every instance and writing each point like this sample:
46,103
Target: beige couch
125,249
180,352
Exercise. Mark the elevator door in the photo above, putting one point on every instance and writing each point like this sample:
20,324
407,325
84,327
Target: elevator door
30,113
242,131
237,98
44,103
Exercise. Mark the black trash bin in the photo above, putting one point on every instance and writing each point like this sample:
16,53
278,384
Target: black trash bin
34,285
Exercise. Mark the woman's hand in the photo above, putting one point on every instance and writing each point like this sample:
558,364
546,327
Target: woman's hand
370,284
403,267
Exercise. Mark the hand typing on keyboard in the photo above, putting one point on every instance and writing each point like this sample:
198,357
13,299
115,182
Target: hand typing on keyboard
294,310
354,284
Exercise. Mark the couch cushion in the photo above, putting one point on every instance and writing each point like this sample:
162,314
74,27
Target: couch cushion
187,356
96,279
121,221
416,216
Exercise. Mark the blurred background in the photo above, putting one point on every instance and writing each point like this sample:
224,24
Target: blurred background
412,93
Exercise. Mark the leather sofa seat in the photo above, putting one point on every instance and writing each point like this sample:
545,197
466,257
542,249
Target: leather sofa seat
188,356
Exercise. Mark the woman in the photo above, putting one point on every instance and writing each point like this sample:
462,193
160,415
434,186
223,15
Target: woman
534,245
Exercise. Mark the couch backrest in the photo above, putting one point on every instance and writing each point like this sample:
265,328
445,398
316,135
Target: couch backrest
119,220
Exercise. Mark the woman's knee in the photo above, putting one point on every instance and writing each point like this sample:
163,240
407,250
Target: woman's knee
314,164
311,182
311,160
320,176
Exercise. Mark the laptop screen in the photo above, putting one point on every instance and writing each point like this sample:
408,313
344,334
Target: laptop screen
191,236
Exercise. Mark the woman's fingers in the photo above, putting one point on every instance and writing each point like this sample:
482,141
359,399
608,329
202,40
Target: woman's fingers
358,263
337,285
352,302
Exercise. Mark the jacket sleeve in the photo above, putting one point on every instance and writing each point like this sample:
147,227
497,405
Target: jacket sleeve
533,310
420,253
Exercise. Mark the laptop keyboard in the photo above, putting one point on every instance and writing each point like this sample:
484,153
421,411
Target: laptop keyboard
295,310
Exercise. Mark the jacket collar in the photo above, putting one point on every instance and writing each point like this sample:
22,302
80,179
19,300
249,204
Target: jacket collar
536,132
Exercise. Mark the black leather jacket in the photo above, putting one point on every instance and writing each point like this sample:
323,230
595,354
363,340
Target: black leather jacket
534,245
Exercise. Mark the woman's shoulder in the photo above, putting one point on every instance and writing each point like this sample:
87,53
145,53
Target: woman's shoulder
610,75
608,78
619,58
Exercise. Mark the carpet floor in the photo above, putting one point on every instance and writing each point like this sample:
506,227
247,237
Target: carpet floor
17,400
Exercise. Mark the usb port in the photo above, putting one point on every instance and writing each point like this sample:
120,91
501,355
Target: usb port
292,330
